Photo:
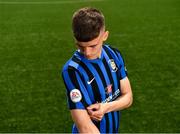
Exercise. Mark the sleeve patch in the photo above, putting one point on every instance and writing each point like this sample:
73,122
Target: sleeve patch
75,95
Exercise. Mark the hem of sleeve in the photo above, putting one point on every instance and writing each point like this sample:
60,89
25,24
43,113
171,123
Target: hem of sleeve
123,77
81,108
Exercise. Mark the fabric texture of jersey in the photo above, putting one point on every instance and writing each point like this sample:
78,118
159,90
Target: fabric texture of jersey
91,81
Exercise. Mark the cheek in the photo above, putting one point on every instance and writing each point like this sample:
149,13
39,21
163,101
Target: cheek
96,50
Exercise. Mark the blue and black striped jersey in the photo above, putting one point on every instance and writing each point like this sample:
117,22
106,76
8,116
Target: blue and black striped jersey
91,81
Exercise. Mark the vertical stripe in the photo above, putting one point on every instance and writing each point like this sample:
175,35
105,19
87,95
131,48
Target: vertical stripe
95,86
120,62
104,72
103,125
109,74
115,81
74,80
91,76
102,75
119,116
114,116
98,80
83,89
107,122
118,53
117,120
85,78
110,56
113,54
68,87
112,75
110,122
115,50
115,87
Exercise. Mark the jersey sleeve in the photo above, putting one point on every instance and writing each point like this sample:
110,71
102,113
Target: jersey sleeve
76,92
122,70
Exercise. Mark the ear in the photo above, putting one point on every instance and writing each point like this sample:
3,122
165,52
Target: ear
105,36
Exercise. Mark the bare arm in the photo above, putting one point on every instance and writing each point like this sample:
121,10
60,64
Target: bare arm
97,111
83,121
124,101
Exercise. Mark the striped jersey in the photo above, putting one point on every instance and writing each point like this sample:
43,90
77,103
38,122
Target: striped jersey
90,81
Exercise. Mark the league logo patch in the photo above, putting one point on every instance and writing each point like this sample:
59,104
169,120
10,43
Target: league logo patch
113,65
75,95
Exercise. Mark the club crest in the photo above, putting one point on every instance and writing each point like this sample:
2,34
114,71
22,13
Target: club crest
113,65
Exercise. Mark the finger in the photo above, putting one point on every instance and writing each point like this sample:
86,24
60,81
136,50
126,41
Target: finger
96,114
94,106
95,118
90,112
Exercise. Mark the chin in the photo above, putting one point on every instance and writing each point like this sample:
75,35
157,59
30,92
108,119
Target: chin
90,57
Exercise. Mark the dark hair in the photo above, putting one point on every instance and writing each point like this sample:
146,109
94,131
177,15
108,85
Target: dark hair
87,23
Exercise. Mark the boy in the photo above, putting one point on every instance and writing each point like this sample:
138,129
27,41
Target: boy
95,77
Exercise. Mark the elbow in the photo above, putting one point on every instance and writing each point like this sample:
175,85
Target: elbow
130,101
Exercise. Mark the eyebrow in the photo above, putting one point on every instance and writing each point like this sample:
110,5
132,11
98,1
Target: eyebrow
88,46
93,45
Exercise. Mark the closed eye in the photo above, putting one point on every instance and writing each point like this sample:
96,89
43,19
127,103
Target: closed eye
93,46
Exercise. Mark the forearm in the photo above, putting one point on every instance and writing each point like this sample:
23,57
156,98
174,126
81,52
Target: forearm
124,101
120,103
83,121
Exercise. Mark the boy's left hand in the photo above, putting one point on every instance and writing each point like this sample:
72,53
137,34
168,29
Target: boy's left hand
96,111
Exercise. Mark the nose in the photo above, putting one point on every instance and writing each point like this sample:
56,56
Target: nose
86,51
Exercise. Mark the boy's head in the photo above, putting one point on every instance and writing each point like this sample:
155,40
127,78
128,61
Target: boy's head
89,31
87,23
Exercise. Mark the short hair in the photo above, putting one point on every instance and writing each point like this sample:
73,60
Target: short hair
87,23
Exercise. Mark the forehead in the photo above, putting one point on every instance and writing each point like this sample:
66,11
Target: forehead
89,43
92,42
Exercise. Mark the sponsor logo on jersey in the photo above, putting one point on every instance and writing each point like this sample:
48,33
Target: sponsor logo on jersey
108,89
89,82
112,97
75,95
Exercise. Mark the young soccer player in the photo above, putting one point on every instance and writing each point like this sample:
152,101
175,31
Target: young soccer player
95,77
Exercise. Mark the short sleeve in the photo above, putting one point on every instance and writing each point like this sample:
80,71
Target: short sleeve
77,95
122,71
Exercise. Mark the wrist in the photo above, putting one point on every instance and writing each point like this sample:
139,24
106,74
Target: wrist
105,107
